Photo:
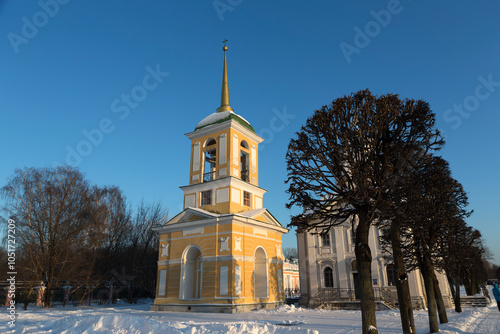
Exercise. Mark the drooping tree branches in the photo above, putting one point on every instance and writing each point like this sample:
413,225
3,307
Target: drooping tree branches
434,203
347,157
462,256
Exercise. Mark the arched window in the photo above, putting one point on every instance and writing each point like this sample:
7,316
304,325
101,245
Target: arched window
191,273
260,274
328,275
391,274
244,161
209,160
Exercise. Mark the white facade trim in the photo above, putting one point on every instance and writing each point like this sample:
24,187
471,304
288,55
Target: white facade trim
223,233
223,126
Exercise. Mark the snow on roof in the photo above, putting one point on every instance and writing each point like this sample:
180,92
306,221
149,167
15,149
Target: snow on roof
202,211
215,117
251,213
218,117
248,213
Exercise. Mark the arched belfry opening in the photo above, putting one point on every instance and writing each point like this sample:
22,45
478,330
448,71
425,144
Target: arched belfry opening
209,160
244,161
191,273
261,274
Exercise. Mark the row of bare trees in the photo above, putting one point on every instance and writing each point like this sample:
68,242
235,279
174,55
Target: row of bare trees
68,230
492,270
372,160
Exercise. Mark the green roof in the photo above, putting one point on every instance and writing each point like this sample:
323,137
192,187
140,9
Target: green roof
230,116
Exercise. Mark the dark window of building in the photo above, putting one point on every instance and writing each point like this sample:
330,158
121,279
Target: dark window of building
244,161
391,274
328,272
210,164
247,198
206,197
325,239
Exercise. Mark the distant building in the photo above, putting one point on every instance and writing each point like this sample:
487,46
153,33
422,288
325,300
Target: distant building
222,253
291,280
329,272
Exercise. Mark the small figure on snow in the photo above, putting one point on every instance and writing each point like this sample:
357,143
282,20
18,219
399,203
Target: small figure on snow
485,292
496,293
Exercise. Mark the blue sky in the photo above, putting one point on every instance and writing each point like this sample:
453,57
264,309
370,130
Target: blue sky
68,68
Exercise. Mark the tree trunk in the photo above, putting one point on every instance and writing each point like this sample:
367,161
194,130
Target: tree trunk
443,317
467,285
364,262
425,268
451,283
474,285
458,302
404,298
49,275
29,291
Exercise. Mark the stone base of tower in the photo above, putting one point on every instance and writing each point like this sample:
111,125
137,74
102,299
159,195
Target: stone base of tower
215,308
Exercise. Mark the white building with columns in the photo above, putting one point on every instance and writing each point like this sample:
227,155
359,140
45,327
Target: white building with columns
327,265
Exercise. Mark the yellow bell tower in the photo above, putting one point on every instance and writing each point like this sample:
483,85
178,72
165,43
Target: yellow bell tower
224,173
222,253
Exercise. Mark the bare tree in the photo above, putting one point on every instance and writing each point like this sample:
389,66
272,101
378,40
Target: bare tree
142,253
473,273
3,261
69,230
393,213
491,268
114,232
290,253
458,250
129,249
437,203
53,209
343,161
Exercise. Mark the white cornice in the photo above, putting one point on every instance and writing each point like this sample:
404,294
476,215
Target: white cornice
230,123
222,258
219,220
225,181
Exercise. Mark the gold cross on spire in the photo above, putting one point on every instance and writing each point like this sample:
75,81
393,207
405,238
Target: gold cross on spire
224,100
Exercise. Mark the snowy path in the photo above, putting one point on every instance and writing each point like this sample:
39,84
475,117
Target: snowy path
126,319
481,320
488,323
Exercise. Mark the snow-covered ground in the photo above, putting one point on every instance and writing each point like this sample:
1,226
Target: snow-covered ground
125,319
